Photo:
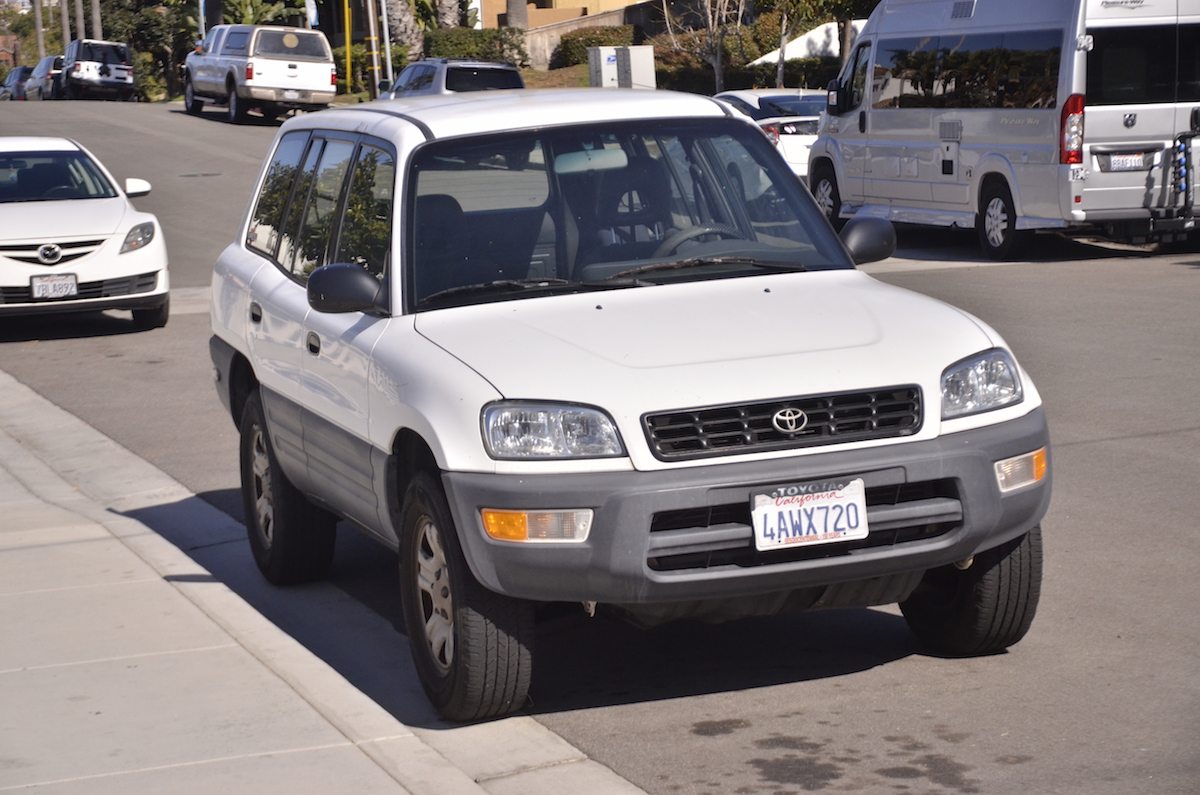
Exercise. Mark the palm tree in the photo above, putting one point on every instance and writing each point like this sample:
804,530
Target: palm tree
402,20
97,29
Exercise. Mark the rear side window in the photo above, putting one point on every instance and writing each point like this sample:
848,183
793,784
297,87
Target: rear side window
292,44
266,222
462,78
235,42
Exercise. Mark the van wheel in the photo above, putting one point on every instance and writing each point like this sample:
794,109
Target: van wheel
996,223
237,108
292,539
983,609
473,648
190,103
825,191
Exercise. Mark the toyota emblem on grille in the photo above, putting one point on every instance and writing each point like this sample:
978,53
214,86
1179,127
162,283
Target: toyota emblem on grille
790,421
1130,119
49,254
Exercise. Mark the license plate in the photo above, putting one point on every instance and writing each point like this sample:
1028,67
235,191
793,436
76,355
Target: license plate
48,288
1134,162
291,94
809,513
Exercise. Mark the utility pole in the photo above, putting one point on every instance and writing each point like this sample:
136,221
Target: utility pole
37,24
373,44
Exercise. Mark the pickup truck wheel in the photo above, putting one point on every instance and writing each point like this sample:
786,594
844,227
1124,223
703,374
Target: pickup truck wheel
292,539
984,608
996,223
472,647
193,105
237,108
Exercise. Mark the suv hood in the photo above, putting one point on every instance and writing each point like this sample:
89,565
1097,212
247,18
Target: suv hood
635,350
70,218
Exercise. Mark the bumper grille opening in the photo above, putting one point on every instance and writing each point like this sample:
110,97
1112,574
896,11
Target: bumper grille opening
751,428
721,535
107,288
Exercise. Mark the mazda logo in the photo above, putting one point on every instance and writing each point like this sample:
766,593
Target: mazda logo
1130,119
49,254
790,421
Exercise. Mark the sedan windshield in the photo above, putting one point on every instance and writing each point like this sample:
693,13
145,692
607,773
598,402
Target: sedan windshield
51,176
583,208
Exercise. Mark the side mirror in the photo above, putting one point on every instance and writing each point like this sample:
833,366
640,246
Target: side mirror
384,87
136,187
1195,119
831,97
343,287
869,239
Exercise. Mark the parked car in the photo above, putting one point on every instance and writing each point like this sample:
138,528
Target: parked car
450,76
789,117
70,239
44,82
13,86
601,347
266,67
97,69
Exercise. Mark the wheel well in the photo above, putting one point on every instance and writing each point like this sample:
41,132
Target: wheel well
410,455
989,180
241,384
822,164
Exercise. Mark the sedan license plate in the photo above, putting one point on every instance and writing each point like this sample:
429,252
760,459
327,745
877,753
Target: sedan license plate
49,288
1131,162
809,513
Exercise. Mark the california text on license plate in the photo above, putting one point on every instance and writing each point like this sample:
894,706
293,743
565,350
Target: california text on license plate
1132,162
800,514
61,285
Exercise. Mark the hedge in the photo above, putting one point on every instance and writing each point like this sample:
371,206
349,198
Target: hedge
360,65
506,45
572,49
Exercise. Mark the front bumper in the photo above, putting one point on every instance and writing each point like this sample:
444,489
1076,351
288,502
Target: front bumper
141,291
684,534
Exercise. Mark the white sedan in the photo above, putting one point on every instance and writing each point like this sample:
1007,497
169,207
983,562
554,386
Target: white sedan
70,239
788,116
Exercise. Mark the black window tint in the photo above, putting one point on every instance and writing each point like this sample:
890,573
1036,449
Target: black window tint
105,53
905,73
291,44
366,233
1131,65
263,234
317,220
469,79
1189,63
972,70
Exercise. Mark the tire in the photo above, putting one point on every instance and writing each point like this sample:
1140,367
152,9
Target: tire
983,609
473,648
72,91
825,191
190,102
237,108
996,223
292,540
155,317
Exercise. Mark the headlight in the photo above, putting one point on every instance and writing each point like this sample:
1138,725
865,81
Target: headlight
983,382
521,430
138,237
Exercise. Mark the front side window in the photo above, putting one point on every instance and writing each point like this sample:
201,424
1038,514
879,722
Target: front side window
858,79
311,242
366,234
604,206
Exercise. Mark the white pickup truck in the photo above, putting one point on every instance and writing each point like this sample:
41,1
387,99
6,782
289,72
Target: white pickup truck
274,69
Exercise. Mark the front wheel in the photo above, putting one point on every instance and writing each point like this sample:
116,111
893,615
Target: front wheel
825,191
291,539
473,648
984,608
190,102
996,223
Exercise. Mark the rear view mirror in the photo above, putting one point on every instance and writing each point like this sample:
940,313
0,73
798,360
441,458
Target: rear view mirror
590,160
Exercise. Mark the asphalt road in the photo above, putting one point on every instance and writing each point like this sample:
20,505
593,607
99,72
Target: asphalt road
1103,696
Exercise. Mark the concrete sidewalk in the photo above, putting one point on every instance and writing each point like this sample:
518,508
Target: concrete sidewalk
126,667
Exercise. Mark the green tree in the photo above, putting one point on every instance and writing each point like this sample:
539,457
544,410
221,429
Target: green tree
262,12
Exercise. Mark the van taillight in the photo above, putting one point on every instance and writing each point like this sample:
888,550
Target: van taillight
1071,130
249,70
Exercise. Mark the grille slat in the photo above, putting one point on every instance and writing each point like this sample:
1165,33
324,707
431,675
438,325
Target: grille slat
106,288
838,418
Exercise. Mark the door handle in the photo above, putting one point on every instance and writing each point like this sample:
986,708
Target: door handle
862,121
255,312
314,343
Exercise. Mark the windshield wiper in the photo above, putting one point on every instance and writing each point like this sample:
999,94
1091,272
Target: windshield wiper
500,286
699,262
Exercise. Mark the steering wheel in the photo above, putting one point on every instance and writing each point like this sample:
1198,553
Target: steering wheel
673,241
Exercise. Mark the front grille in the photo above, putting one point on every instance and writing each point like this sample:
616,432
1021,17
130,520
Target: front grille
28,252
721,535
107,288
748,428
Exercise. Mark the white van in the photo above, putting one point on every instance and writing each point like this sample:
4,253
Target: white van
1015,116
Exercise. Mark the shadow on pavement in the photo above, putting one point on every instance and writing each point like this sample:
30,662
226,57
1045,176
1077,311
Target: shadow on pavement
69,325
937,244
351,622
217,113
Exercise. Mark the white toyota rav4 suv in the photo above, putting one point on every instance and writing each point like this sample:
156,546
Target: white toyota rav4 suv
603,348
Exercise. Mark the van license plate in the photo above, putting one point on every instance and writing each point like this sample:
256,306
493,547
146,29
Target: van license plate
809,513
62,285
1133,162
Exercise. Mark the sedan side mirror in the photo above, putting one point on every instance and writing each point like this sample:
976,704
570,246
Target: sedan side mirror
343,287
869,239
136,187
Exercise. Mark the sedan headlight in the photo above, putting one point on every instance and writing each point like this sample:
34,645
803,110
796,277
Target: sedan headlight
138,237
983,382
519,430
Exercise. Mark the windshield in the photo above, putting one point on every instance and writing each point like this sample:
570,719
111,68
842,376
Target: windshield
582,208
51,176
